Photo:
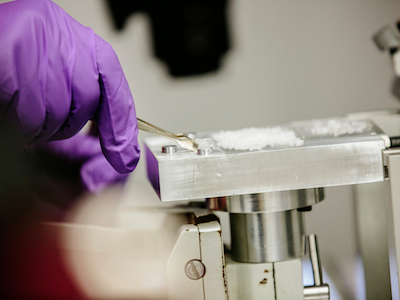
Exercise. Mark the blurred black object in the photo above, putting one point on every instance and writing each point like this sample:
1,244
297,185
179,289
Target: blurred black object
33,183
32,265
189,36
396,87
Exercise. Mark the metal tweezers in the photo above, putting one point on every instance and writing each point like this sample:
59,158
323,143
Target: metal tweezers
181,139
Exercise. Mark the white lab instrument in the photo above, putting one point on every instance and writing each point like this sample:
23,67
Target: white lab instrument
266,193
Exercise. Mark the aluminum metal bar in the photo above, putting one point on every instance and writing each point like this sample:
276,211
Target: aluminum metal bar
324,160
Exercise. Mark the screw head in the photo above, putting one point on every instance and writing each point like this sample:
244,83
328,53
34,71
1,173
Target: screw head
205,151
195,269
169,149
205,147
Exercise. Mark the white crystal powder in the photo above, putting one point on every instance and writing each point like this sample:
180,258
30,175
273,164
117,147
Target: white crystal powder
204,143
256,138
337,127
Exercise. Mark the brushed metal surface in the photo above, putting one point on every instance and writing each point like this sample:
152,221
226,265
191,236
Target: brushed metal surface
267,237
323,161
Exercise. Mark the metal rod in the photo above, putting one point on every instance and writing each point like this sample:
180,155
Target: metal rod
315,262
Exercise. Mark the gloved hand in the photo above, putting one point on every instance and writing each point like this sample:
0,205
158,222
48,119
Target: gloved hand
84,150
56,74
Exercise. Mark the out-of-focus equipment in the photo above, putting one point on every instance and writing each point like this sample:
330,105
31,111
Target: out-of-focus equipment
388,39
175,249
189,36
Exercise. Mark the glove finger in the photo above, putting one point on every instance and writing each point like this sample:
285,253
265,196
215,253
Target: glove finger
85,91
50,81
33,75
116,116
76,149
97,174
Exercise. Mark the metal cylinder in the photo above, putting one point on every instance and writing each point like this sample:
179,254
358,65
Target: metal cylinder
267,202
267,237
320,292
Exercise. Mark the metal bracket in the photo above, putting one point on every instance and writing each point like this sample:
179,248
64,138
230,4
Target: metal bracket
391,160
195,269
385,158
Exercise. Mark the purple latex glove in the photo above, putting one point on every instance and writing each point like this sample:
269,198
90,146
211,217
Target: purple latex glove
96,172
56,74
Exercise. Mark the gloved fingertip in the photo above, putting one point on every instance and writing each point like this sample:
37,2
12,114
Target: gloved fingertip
116,115
123,159
97,174
78,148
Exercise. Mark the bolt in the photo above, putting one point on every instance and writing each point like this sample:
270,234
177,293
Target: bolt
205,147
195,269
205,151
169,149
